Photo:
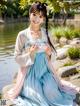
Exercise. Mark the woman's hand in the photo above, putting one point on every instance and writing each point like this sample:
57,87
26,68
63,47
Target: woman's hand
48,50
33,49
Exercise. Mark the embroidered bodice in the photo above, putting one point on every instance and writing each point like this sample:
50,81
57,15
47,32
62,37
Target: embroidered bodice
40,42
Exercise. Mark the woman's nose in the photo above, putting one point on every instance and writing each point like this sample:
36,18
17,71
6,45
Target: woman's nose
37,18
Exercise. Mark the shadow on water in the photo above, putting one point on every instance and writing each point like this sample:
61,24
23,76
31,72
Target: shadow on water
8,66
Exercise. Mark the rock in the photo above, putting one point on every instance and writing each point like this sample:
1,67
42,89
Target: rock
60,63
69,40
67,71
75,81
55,40
4,94
57,45
77,66
77,76
62,53
75,42
67,46
2,21
63,41
5,89
76,39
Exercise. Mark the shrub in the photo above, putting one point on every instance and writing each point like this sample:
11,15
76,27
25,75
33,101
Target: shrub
57,32
76,33
67,32
69,63
74,52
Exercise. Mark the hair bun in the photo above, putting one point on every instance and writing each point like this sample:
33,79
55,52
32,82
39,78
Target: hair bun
37,2
41,4
44,4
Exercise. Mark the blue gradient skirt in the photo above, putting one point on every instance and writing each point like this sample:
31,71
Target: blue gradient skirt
40,87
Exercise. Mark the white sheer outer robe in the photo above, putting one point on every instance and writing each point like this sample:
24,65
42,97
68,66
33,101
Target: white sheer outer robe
25,60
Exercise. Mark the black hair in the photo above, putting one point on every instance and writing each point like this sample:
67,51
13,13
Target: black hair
42,7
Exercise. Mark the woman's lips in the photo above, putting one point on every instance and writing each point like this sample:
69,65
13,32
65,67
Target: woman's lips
35,22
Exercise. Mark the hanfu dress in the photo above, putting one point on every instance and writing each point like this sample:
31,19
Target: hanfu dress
40,87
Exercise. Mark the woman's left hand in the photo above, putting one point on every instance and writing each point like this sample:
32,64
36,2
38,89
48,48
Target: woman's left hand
48,50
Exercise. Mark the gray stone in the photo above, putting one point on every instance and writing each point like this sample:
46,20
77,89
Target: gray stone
75,43
62,53
63,41
77,76
76,39
67,71
7,88
67,46
60,63
57,45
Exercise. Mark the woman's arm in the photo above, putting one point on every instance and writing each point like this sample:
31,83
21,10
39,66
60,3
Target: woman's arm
23,59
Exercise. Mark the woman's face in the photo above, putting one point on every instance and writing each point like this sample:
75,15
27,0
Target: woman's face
36,18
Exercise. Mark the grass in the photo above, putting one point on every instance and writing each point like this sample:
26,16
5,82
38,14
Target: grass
74,52
69,63
66,32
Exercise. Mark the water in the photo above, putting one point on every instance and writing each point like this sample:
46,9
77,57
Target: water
8,66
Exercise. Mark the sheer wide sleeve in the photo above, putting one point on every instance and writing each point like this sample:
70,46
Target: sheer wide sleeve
21,57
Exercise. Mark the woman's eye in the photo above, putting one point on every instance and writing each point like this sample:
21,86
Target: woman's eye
34,14
40,16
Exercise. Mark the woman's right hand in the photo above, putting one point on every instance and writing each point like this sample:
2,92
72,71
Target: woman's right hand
33,49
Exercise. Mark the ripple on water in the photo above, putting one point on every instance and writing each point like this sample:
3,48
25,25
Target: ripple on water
8,34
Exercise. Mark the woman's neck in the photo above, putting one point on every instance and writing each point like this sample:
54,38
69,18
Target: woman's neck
34,28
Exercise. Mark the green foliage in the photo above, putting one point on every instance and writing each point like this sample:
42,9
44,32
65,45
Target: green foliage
76,33
54,5
11,8
20,7
69,63
66,32
58,32
74,52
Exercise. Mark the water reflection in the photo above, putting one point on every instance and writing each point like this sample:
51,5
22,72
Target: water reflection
8,66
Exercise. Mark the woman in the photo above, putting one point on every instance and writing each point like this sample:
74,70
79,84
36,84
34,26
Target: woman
37,82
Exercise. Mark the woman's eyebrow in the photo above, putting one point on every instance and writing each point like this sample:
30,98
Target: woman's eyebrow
38,13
